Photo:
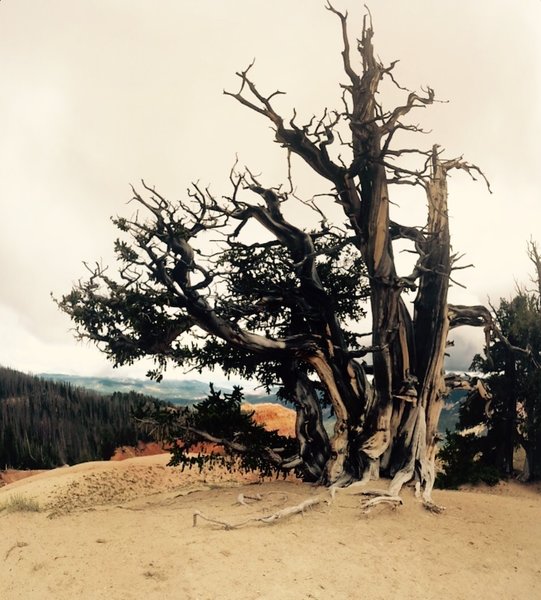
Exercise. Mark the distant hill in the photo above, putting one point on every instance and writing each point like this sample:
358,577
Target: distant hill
178,391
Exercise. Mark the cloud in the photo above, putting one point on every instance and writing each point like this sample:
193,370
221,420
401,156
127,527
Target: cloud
99,95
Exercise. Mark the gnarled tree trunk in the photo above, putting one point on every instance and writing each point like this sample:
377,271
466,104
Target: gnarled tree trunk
414,450
314,448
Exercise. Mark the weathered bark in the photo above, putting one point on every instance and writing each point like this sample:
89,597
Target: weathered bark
415,447
337,466
367,207
364,424
314,448
392,424
342,377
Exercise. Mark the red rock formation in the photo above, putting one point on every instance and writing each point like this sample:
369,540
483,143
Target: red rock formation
12,475
273,417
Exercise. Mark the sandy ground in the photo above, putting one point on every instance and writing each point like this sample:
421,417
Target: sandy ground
124,530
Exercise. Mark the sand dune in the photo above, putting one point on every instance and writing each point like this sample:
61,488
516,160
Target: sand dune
123,530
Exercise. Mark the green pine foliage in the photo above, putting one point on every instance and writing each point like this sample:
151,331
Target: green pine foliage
512,417
236,441
262,293
468,457
464,462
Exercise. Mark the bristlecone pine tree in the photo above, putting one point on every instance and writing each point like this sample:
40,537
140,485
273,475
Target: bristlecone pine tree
172,288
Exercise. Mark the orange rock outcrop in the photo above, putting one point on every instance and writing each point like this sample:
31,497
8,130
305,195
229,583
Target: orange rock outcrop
273,417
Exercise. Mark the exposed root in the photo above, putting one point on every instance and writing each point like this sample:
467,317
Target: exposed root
377,493
370,499
191,491
368,504
373,497
370,474
433,508
400,479
281,514
356,484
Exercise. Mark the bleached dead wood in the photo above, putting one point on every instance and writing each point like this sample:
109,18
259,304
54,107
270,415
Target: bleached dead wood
374,496
368,504
427,503
271,518
434,508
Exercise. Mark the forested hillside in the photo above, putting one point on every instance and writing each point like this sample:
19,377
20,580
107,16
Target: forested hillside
45,424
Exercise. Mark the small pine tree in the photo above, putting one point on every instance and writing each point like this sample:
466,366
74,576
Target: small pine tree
216,431
513,417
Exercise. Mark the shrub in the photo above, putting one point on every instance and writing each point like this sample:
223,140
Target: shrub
462,462
19,503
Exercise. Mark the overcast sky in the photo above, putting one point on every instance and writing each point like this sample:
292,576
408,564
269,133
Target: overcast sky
97,94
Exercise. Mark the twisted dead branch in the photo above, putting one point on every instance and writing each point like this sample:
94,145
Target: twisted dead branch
271,518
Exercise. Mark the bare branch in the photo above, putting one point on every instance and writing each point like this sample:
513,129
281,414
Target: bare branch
414,101
353,76
535,258
268,519
471,169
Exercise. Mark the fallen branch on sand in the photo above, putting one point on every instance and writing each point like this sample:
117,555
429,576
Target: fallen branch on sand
375,497
281,514
368,504
433,508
